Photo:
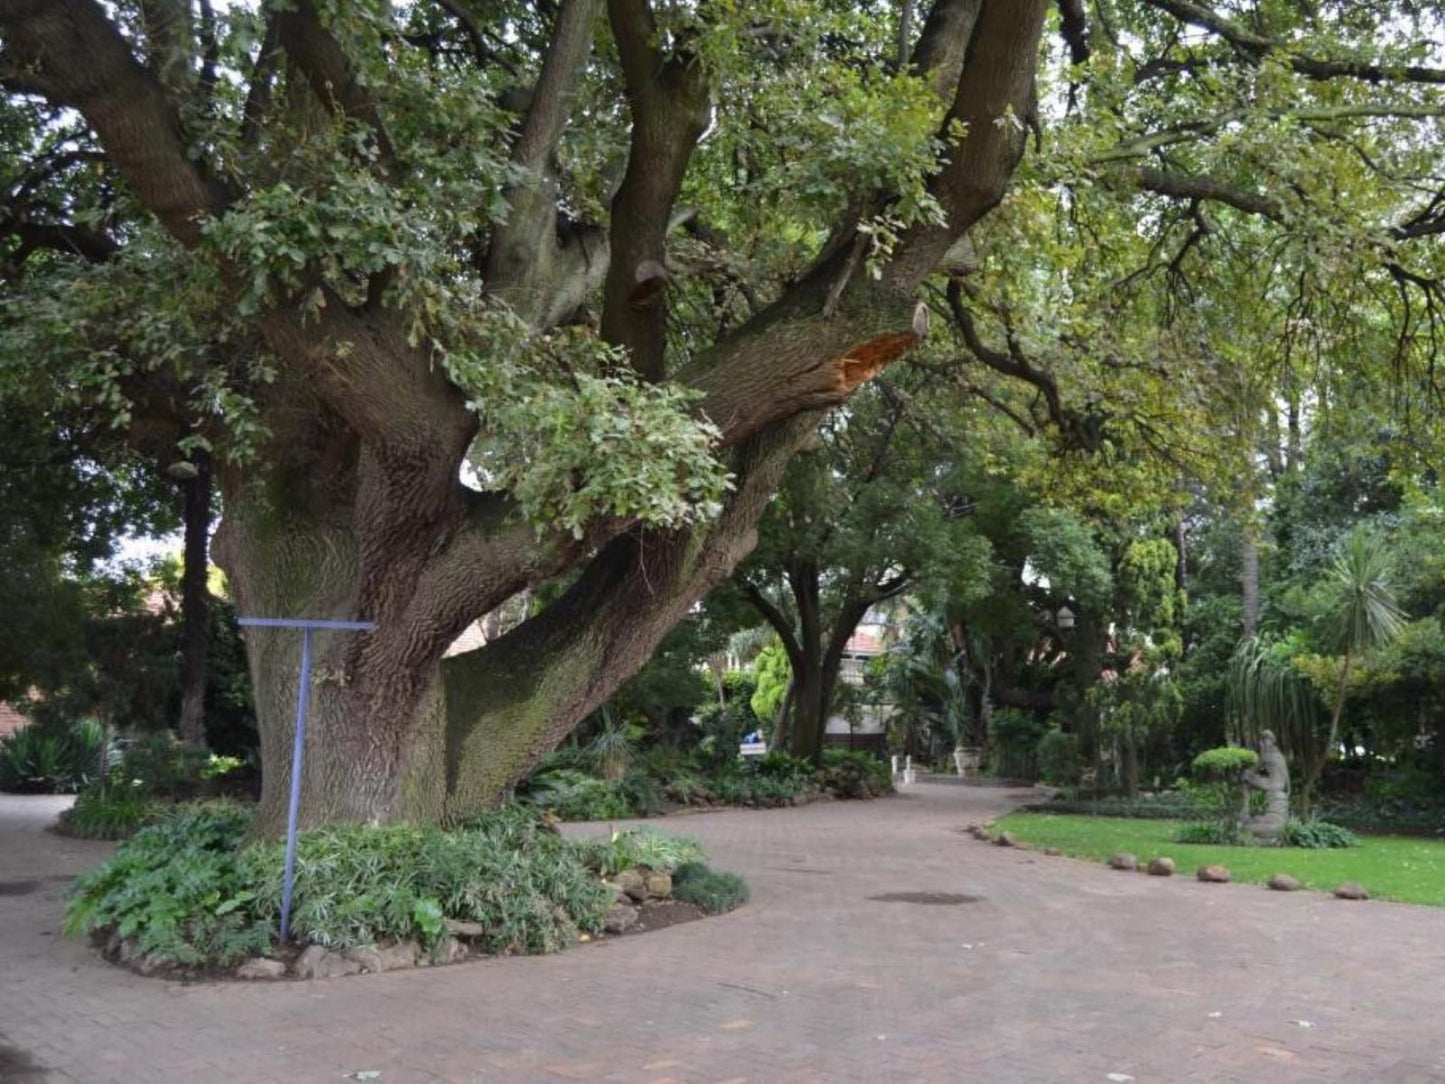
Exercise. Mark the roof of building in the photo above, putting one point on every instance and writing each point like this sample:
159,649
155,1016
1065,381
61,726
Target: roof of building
11,719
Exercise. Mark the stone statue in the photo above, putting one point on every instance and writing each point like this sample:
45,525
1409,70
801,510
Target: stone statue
1272,777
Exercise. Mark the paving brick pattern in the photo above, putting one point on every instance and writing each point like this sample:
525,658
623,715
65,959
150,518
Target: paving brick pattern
1053,970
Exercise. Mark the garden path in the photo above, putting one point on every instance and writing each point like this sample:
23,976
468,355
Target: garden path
1048,969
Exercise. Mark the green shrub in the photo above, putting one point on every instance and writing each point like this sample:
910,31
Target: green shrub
637,847
40,759
642,792
1317,835
1167,805
576,796
850,774
357,884
1059,759
178,889
1210,832
712,891
189,889
1225,762
780,765
116,811
1013,737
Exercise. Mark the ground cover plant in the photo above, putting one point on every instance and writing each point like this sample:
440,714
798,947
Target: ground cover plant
1389,867
191,890
663,779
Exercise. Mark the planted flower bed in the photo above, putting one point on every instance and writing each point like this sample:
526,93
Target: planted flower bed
189,896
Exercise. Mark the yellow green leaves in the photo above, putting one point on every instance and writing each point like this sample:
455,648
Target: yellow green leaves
575,437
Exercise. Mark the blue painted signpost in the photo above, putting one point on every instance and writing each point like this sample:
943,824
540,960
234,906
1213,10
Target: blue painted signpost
298,743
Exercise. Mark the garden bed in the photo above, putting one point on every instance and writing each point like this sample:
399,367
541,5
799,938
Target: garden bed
189,898
663,783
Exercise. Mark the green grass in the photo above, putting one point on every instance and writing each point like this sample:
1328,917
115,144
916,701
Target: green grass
1390,867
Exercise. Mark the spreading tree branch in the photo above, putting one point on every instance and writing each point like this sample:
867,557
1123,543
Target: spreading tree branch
544,272
668,99
995,95
1256,46
70,51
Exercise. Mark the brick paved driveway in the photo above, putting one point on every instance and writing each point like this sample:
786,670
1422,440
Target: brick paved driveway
1054,971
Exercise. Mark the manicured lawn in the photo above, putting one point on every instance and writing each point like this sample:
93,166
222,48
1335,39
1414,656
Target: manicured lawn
1390,867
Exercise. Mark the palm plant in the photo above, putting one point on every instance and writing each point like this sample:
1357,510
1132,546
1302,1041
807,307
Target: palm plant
1361,615
1264,692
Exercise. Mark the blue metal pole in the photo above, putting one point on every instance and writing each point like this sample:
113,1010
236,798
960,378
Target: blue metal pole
298,753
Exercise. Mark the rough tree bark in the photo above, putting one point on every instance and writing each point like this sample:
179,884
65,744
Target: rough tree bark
195,600
357,511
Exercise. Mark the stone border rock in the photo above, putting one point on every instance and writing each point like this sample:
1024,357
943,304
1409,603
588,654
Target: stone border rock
1160,866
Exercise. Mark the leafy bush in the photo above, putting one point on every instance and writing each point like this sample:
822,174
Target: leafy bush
642,792
1012,739
1317,835
850,774
1223,768
357,885
188,888
637,847
1167,805
178,888
1210,832
52,760
576,796
612,750
1225,762
116,811
1059,759
1404,801
780,765
712,891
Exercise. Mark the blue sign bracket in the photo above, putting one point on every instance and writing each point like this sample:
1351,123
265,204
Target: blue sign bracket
298,743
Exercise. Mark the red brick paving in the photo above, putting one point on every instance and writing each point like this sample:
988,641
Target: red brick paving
1060,971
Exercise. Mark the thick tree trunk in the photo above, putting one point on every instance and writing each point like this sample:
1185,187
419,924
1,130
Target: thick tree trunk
398,735
195,602
778,739
1129,763
1249,582
810,714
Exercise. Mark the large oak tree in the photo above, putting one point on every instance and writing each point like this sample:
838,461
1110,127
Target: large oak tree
466,295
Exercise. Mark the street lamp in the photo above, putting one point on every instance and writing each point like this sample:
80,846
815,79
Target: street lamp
1065,619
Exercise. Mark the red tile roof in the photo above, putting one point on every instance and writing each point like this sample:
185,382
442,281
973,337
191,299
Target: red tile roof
10,719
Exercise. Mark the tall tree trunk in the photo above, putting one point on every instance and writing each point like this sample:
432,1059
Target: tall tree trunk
1249,582
1129,763
1181,567
195,601
778,739
1317,763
